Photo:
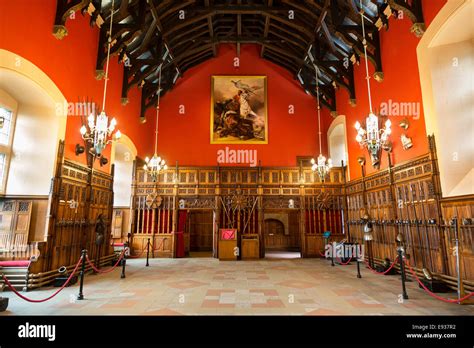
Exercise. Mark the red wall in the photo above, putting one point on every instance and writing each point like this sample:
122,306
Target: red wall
186,138
26,29
431,9
70,63
401,84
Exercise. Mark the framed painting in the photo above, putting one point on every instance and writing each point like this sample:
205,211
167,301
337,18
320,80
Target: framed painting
239,110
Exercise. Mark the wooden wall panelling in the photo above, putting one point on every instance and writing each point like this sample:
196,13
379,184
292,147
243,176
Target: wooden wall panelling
71,216
45,261
15,219
406,198
463,209
193,185
77,197
7,221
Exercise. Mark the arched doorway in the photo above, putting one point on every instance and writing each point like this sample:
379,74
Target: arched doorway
123,156
282,239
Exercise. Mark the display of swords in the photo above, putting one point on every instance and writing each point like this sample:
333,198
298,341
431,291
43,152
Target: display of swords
414,216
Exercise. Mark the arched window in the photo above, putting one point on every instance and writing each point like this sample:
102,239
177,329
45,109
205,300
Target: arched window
8,112
446,62
337,141
38,123
123,156
123,161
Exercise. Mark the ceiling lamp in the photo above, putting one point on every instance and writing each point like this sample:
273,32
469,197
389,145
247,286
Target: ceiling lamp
156,164
374,137
98,132
320,165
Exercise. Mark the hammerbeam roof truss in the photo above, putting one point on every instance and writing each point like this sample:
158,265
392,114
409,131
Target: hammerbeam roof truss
298,35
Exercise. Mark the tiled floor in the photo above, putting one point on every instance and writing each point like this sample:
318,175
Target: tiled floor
266,287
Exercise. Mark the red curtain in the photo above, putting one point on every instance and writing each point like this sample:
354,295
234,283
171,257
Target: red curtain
182,215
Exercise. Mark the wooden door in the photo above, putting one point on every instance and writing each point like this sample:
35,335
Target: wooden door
15,217
275,234
200,230
277,239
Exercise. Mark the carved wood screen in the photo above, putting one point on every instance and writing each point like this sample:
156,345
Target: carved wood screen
77,198
239,210
238,198
402,199
153,214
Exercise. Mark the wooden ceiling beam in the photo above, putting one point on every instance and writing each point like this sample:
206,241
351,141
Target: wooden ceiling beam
210,25
278,60
189,52
239,28
266,28
196,61
64,8
414,10
144,29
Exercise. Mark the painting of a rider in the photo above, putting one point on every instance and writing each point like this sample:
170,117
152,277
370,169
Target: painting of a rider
239,112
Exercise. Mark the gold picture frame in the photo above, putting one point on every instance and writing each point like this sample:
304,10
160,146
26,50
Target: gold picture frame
239,109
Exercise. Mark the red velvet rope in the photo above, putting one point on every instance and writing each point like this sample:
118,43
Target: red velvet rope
48,298
344,263
433,294
388,270
159,246
108,270
137,256
141,253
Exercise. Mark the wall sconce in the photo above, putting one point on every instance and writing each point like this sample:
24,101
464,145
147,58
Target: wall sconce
79,149
361,160
387,146
405,124
103,161
407,143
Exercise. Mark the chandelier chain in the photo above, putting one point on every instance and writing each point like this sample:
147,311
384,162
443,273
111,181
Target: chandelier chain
319,107
364,43
109,43
158,94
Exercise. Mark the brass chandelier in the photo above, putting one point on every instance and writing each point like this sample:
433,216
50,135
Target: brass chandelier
373,137
156,164
99,132
320,165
